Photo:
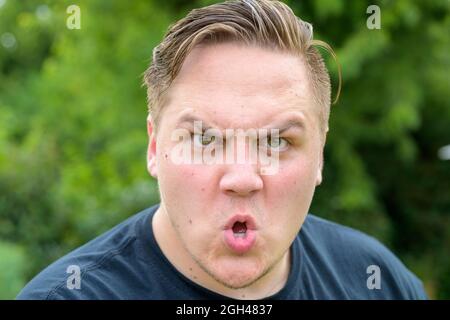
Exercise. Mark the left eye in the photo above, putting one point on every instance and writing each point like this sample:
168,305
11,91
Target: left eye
277,143
203,140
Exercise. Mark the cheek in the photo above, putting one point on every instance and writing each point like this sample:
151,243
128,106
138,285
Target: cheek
188,196
183,184
296,178
291,193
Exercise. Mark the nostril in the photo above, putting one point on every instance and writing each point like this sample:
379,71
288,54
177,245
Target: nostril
241,183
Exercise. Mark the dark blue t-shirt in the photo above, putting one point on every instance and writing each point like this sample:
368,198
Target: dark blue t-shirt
329,261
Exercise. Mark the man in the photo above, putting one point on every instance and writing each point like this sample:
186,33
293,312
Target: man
233,219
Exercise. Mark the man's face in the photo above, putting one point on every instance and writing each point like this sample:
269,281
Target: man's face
236,223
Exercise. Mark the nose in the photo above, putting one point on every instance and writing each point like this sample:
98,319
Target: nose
241,180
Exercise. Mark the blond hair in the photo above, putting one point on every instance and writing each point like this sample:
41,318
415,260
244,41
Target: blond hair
265,23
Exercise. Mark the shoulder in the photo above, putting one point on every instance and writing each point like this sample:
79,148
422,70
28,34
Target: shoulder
331,234
89,271
355,256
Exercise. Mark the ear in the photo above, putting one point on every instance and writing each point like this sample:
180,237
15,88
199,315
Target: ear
319,169
151,151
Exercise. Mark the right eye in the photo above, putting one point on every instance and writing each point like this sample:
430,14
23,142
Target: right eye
203,140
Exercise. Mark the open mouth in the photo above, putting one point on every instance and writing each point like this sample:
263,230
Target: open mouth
239,229
240,233
240,223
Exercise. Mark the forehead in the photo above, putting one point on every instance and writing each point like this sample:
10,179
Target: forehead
232,82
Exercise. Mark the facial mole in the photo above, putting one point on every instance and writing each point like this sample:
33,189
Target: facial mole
165,156
190,221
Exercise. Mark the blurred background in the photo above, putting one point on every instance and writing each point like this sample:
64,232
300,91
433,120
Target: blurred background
73,126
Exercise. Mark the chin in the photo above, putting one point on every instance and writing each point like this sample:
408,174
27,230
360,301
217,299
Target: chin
236,272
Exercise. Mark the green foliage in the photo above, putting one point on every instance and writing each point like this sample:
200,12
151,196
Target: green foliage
73,136
11,270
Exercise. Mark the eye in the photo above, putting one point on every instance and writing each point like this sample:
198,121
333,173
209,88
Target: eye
203,140
277,143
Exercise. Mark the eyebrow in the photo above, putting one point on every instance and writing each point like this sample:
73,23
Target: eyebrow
282,126
291,123
189,118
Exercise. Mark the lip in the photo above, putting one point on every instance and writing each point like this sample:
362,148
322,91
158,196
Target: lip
240,245
249,221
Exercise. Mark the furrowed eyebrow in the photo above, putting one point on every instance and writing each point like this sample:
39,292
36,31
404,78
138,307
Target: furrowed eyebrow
289,124
282,126
188,118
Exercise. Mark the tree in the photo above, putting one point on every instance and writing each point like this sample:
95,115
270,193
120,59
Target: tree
73,137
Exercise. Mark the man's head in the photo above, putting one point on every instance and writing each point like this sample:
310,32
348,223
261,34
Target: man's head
268,24
238,65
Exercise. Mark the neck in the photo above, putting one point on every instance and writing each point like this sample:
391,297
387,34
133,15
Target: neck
174,250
